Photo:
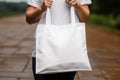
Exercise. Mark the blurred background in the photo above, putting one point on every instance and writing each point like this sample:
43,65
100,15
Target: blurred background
106,13
12,7
103,41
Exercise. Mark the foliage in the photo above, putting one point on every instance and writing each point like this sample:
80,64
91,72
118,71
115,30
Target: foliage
105,13
106,7
10,8
108,21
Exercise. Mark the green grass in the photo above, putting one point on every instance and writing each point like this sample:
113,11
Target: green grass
109,23
9,14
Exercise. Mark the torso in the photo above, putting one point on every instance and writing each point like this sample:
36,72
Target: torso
60,13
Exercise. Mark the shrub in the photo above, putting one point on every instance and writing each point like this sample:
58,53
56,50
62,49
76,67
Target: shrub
10,8
108,21
118,23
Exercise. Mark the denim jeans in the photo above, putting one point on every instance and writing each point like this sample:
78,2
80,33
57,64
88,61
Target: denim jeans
54,76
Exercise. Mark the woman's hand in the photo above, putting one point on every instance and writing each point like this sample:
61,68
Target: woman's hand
33,14
47,3
82,10
72,2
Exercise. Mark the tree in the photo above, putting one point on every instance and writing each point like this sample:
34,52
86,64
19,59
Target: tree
106,7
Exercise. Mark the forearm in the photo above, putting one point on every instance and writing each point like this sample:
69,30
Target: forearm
32,16
82,12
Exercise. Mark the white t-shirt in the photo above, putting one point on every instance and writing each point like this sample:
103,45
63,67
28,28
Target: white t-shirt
60,13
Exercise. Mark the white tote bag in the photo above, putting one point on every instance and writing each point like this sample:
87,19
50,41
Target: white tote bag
61,48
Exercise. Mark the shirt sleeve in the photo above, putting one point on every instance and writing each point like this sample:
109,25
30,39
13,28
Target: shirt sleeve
34,3
85,2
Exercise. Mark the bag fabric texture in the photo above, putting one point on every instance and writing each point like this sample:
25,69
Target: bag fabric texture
61,48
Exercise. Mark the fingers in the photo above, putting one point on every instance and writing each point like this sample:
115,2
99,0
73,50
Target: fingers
71,2
47,3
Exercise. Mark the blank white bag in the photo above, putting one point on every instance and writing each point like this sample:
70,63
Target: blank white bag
61,48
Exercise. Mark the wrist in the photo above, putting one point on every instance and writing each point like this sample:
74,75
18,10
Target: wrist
42,8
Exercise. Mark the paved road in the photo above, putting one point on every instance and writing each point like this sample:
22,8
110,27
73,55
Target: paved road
16,43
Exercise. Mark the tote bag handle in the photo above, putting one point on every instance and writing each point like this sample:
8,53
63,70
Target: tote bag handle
72,13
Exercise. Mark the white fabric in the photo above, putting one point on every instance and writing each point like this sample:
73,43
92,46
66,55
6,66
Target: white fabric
60,13
61,48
